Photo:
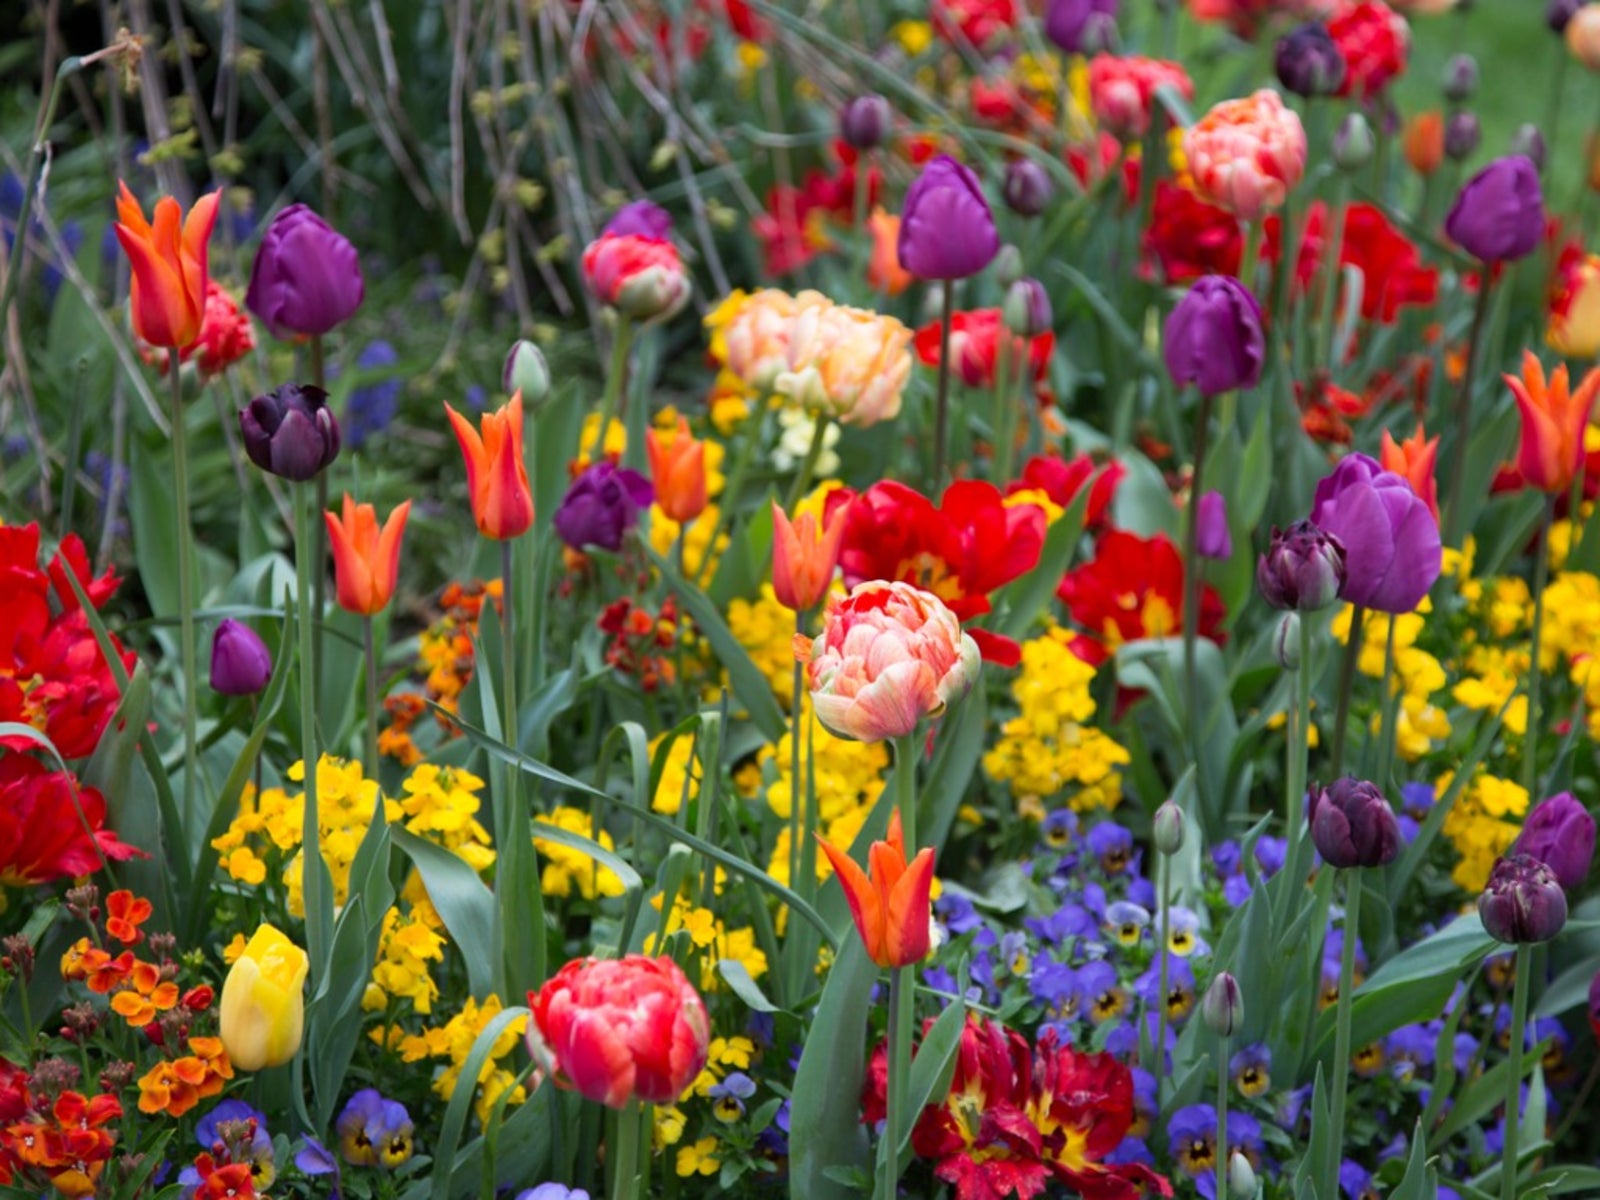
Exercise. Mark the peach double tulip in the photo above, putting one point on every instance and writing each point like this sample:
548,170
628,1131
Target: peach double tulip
1553,421
849,363
366,560
890,905
1247,154
168,257
497,478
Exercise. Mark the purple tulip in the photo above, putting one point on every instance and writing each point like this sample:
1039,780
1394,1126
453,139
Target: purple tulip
1352,824
1214,539
602,504
306,278
641,218
1392,552
240,663
1213,337
1308,61
1559,832
290,432
946,228
1303,569
1027,188
1523,902
1065,20
1558,13
864,121
1499,214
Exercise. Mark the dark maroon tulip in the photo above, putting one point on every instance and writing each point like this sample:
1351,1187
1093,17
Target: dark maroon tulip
290,432
1027,188
1523,902
1213,337
1462,133
640,218
240,663
1308,61
1066,21
946,228
1392,551
1499,215
1559,832
1303,568
602,504
1352,824
306,278
864,121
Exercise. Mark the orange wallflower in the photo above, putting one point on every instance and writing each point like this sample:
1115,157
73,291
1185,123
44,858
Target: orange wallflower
125,912
497,478
168,257
1413,460
891,907
366,562
176,1086
1553,421
146,995
678,470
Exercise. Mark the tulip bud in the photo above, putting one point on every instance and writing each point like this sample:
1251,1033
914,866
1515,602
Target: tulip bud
1308,61
527,372
1007,267
1460,78
1558,13
1241,1177
1286,642
1462,134
262,1013
1303,569
1100,35
240,664
864,121
1026,311
1027,188
1352,143
1352,824
1222,1007
1424,142
1559,832
1523,902
1213,538
290,432
1528,141
1167,829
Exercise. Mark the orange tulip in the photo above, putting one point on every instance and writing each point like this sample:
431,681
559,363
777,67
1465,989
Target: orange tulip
884,271
678,470
366,562
1413,460
1553,421
497,478
891,909
803,561
168,291
1424,142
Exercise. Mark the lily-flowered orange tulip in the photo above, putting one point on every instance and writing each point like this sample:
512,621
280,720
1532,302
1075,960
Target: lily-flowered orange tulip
366,561
884,271
1553,421
1414,460
678,470
891,908
168,291
803,560
497,478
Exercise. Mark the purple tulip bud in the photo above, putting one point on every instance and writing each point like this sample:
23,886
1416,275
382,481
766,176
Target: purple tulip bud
1303,568
306,278
1462,133
1352,824
1222,1007
946,228
1065,21
1558,13
1353,143
1460,78
1523,902
1214,539
1559,832
1499,215
1027,188
290,432
1026,311
602,504
640,218
1392,552
1529,142
527,372
240,663
1213,337
864,121
1308,61
1286,641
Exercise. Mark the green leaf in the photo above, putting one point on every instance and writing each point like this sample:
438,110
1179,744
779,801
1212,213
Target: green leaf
464,903
445,1158
1568,989
1416,1183
1481,1097
825,1134
738,978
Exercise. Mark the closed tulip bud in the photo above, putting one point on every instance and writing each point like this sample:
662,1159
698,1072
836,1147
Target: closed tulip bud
290,432
1066,22
1286,641
864,121
1007,270
1523,902
1167,829
527,372
1222,1007
644,218
1529,142
1499,215
1026,311
1559,832
1352,143
1308,61
1241,1176
1352,824
1558,13
262,1012
240,663
1462,133
1027,188
1460,78
1213,338
1424,142
1100,35
1303,569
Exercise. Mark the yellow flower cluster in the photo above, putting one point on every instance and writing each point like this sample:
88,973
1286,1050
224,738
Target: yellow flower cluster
453,1041
407,945
699,1157
1049,748
676,785
1477,824
766,630
712,940
1418,675
568,871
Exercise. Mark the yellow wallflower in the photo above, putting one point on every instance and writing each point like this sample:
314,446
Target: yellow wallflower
568,870
698,1159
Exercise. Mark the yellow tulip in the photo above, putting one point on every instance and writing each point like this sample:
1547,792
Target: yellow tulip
263,1005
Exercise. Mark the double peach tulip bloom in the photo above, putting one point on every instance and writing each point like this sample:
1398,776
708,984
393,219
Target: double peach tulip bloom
1246,155
849,363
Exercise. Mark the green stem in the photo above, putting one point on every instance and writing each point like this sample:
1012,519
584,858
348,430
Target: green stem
316,882
626,1170
1299,752
941,408
1004,403
797,823
1253,234
905,788
1341,1039
808,465
36,157
1519,1025
1158,1063
186,643
1391,700
726,502
901,994
319,530
615,374
1454,513
1222,1119
369,644
1541,574
1191,596
508,656
1347,682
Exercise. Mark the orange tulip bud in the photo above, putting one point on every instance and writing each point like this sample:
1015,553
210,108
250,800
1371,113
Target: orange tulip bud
803,561
1553,421
497,478
1413,460
1424,142
891,908
366,562
678,470
168,290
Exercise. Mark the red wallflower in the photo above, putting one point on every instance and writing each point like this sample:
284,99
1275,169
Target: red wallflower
1061,479
1375,41
42,834
975,20
62,1145
975,347
1132,588
1392,271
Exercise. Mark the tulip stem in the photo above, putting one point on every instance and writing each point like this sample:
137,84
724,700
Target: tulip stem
615,374
319,530
1341,1039
941,407
186,644
372,697
1191,595
1519,1025
797,824
1390,702
1222,1119
627,1161
1326,316
1455,512
1005,404
1541,574
1295,771
901,995
905,783
808,465
1347,682
318,885
1158,1064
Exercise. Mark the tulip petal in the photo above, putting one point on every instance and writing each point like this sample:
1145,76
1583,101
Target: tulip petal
865,907
908,915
